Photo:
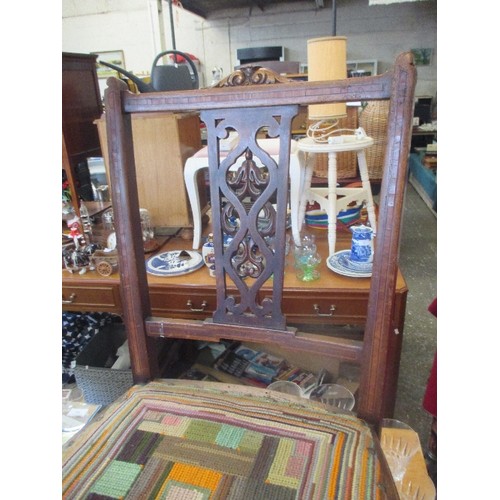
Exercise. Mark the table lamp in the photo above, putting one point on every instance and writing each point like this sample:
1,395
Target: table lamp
326,60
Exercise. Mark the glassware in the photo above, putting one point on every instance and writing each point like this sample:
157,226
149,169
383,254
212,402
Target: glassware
69,397
85,221
422,489
400,443
147,229
66,404
306,239
146,225
333,395
271,241
107,220
285,387
307,259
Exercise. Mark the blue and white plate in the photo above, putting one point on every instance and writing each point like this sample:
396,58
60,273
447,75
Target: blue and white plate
341,263
169,264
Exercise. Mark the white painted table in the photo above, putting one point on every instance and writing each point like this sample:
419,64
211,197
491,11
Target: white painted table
200,160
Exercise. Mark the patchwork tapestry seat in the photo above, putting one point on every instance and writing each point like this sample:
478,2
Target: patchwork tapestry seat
202,440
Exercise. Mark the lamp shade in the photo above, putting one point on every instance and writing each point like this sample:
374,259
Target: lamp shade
327,60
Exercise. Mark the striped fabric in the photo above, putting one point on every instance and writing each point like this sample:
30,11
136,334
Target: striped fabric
200,440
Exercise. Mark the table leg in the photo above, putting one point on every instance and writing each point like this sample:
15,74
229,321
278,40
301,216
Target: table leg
332,201
365,180
190,173
297,179
306,186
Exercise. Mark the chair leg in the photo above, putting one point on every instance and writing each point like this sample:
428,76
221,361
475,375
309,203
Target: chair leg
365,180
332,202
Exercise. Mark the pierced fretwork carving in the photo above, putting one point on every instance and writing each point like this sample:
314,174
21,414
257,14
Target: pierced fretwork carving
249,204
247,183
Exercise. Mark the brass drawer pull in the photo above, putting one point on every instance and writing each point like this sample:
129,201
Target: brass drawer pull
71,299
329,315
193,309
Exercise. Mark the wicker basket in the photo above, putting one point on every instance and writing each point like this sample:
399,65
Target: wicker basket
102,385
346,161
373,118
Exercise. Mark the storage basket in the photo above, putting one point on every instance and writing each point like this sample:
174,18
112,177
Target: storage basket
102,385
347,160
373,118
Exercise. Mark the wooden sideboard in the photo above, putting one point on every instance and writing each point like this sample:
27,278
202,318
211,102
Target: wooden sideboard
193,295
322,305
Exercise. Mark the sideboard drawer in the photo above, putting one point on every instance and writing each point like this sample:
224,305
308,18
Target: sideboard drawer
92,298
311,307
197,303
317,307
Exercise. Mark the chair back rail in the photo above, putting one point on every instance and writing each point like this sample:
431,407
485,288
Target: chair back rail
238,105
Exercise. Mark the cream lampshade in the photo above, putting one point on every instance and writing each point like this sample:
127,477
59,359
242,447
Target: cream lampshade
327,60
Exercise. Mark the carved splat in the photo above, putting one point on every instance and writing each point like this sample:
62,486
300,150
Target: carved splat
243,207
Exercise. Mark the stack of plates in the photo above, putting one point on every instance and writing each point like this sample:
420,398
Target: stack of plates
349,215
318,219
171,264
340,263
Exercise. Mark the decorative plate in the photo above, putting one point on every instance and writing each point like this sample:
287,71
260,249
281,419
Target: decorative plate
340,263
173,264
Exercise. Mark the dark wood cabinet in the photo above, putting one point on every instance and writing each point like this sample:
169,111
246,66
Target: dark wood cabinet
81,105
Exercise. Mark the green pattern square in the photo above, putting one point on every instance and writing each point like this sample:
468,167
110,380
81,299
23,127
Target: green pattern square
202,430
117,479
251,442
230,436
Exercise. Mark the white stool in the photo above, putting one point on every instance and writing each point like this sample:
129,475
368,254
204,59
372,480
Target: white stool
200,160
327,197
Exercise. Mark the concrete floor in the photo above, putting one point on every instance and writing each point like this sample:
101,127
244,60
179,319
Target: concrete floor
418,263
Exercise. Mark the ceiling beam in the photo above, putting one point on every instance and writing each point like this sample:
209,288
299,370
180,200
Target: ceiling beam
194,7
204,8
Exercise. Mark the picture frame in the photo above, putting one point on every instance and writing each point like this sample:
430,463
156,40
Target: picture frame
422,56
116,57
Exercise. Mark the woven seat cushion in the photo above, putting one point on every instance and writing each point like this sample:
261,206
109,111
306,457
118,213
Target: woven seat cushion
202,440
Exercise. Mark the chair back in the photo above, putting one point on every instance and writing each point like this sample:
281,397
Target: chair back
248,308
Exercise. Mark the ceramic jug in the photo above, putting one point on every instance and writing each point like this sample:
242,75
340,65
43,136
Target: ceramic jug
362,244
208,254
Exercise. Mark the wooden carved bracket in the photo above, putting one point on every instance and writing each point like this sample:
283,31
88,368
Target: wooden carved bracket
251,75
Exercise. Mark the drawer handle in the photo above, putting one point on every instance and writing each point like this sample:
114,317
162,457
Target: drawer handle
71,299
329,315
193,309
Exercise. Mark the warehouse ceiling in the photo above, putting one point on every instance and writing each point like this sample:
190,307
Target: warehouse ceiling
205,8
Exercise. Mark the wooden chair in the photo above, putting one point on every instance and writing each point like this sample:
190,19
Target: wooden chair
247,101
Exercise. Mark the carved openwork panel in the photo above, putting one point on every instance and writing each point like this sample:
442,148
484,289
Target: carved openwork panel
249,195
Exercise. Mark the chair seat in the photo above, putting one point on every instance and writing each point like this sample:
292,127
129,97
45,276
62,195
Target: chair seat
189,439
